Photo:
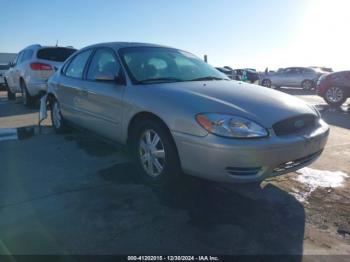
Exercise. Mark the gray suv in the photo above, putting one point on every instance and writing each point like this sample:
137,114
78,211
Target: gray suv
303,77
176,113
32,67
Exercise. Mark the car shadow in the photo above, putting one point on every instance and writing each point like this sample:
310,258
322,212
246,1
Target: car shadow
235,219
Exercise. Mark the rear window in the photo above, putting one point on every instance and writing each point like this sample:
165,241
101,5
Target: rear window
58,54
4,67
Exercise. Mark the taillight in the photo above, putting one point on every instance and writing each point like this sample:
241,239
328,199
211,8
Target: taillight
40,66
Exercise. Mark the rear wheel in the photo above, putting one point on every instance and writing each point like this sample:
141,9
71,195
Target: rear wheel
10,94
307,85
56,117
266,83
155,152
28,100
335,96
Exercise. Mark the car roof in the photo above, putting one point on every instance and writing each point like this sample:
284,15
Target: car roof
119,45
38,46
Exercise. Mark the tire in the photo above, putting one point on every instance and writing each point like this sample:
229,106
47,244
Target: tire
57,118
156,170
335,96
10,95
307,84
266,83
28,100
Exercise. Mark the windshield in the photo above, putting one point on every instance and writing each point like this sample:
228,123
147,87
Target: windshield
159,65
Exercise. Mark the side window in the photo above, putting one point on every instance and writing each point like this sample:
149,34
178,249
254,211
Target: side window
103,63
76,67
19,58
27,55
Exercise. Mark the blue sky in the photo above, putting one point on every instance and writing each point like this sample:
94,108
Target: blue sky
248,33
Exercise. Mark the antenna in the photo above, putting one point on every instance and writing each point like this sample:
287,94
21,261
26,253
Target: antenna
56,42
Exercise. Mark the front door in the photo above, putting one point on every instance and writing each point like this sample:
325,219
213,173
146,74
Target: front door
103,101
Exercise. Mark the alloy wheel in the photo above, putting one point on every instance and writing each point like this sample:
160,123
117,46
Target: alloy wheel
266,83
152,153
334,94
307,85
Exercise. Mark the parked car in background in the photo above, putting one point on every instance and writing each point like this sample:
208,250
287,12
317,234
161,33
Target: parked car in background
249,75
245,75
334,87
177,113
229,73
31,69
303,77
3,69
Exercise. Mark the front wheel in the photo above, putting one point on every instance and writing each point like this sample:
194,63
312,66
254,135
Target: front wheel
335,96
56,117
155,152
307,85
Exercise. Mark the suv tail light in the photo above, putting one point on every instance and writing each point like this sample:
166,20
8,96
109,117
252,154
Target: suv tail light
40,66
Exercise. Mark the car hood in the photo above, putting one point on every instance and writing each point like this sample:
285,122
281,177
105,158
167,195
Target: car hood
263,105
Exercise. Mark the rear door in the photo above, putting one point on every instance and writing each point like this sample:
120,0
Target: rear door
103,102
295,77
70,88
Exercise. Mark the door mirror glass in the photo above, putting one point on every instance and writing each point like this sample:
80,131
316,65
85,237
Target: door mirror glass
105,77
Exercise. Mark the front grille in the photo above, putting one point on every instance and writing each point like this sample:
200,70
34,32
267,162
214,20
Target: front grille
294,125
243,171
295,163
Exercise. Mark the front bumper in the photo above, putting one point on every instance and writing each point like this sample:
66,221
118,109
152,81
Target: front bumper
248,160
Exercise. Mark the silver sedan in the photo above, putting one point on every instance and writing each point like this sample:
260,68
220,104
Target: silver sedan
180,115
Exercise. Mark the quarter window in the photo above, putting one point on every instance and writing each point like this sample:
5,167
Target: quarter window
76,67
103,63
27,55
19,58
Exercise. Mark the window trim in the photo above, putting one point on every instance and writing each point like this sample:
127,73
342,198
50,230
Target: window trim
114,53
127,69
68,63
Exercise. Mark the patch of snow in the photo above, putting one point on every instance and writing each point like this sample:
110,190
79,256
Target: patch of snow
313,178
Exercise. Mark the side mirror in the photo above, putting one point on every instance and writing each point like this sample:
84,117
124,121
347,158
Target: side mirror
105,77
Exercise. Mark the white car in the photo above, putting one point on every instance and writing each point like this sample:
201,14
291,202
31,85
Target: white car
3,69
32,67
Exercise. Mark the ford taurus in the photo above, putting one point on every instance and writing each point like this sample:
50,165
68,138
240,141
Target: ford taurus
180,115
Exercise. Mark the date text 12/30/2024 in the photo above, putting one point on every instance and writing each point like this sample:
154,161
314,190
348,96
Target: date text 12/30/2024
173,258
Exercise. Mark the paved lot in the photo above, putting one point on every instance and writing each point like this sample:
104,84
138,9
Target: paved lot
73,194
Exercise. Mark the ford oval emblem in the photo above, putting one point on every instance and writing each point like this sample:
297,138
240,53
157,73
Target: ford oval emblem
299,123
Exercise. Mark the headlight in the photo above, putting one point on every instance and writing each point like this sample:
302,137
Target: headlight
230,126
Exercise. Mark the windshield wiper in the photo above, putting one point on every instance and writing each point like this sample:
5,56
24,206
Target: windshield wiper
160,79
208,78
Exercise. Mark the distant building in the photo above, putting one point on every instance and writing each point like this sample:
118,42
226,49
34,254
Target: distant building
5,58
